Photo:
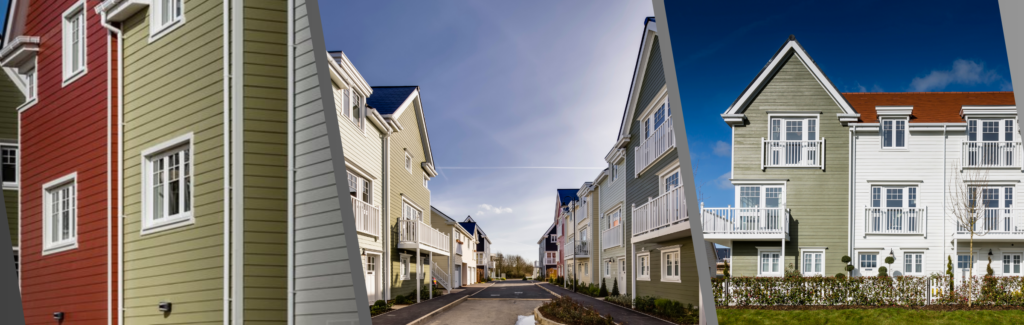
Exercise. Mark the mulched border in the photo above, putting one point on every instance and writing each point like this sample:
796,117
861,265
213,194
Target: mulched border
842,307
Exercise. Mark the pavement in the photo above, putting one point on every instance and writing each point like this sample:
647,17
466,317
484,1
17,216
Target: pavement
413,312
619,314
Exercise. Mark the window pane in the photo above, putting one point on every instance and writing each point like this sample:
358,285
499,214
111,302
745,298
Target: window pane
912,197
812,126
54,216
750,196
173,184
8,164
776,129
990,131
659,117
158,189
887,134
972,130
188,181
1008,130
900,127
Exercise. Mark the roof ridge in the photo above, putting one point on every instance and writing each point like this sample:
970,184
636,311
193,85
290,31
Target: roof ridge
928,92
392,86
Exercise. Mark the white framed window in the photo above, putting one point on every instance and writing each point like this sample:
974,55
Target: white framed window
31,83
769,261
352,107
615,172
9,166
411,212
612,219
165,16
643,266
868,261
913,263
894,133
60,214
888,214
813,262
993,201
425,181
553,239
670,265
963,261
1011,263
794,141
167,185
656,119
990,130
668,180
73,42
607,268
403,268
360,187
408,161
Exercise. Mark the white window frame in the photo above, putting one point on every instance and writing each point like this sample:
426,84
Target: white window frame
665,174
761,251
861,261
50,246
1007,269
821,262
613,216
70,74
364,186
979,128
31,79
17,164
923,263
406,204
425,181
893,132
553,238
404,266
158,29
608,269
647,121
762,201
161,151
643,265
408,161
675,253
615,172
796,117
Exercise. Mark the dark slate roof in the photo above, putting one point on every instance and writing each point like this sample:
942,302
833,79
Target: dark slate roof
566,195
470,226
387,99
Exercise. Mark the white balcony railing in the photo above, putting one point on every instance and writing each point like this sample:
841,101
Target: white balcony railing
582,249
367,217
992,154
661,140
550,261
745,221
415,231
792,153
568,252
996,221
896,221
611,237
660,212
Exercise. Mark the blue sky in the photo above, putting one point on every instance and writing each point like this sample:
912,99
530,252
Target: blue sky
890,46
509,89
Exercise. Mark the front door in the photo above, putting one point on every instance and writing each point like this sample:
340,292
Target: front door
371,278
622,275
458,277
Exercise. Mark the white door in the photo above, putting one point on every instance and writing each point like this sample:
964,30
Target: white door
622,275
458,276
371,278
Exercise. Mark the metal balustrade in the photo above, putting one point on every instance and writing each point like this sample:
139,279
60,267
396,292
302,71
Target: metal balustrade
745,221
661,141
367,217
660,212
896,221
792,153
991,154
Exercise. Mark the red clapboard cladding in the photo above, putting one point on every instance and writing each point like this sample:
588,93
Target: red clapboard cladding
71,129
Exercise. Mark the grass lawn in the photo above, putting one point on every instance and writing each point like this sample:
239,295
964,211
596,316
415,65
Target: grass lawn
869,316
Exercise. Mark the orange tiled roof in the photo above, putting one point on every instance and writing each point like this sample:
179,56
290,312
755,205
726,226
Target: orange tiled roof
929,107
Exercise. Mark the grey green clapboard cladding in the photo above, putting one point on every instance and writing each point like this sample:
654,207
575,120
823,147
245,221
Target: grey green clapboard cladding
165,98
816,198
407,185
324,289
640,189
10,99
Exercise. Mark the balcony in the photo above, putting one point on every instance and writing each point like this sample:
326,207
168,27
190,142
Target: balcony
567,253
550,261
664,215
583,249
745,223
995,224
367,217
611,237
661,140
895,221
792,153
414,234
991,154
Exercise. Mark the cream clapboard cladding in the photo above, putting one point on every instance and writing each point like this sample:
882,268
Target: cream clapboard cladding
407,186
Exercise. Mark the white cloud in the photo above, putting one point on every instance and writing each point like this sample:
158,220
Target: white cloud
487,208
964,72
723,182
721,149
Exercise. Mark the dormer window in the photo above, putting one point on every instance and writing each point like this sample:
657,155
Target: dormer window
352,106
894,133
990,130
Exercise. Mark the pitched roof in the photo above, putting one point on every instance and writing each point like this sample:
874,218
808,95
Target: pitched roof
929,107
469,226
566,195
388,99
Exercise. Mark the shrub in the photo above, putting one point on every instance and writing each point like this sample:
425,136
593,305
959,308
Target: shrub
380,307
565,310
615,287
725,269
840,276
989,269
623,300
603,291
402,300
791,272
883,272
668,309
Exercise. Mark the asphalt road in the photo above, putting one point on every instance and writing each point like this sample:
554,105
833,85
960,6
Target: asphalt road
513,289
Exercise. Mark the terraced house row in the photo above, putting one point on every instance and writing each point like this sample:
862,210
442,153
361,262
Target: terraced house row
406,245
820,174
629,225
167,162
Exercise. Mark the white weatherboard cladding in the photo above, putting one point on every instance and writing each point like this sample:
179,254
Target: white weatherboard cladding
920,164
364,156
321,257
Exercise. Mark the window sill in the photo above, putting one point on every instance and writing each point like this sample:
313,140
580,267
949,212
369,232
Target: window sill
57,248
28,104
643,279
74,76
177,222
155,33
672,280
10,186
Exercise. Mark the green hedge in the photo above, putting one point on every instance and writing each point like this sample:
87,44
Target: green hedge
867,291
